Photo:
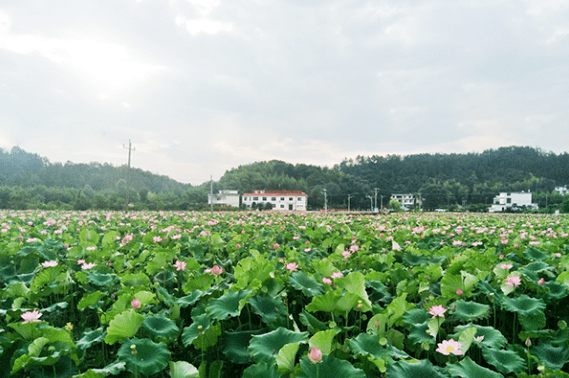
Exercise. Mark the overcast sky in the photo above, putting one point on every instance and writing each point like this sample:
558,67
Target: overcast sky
203,86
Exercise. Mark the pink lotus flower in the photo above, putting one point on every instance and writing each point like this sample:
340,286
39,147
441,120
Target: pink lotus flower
512,281
450,347
49,264
87,266
437,310
157,239
327,280
80,261
215,270
505,266
276,245
292,266
180,265
541,281
315,355
459,291
337,275
31,316
135,303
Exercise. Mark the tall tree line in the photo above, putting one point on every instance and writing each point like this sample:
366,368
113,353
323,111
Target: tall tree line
442,180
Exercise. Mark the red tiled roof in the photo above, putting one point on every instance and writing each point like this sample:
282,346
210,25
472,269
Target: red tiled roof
276,193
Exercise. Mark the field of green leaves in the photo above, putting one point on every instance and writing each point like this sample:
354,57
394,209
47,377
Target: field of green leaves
263,295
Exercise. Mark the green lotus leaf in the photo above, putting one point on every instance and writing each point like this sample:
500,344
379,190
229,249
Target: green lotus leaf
90,299
420,333
89,338
491,337
532,321
330,367
160,261
90,374
416,316
261,370
272,310
145,297
523,305
183,369
312,323
200,282
229,305
379,293
88,237
411,259
533,253
144,356
469,311
236,344
135,279
265,347
323,340
303,282
505,361
552,357
537,267
123,326
470,369
208,338
159,327
190,300
450,283
287,357
334,301
101,279
201,324
369,345
114,368
556,291
404,369
355,283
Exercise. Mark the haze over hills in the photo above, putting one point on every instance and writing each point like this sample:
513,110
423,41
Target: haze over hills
28,180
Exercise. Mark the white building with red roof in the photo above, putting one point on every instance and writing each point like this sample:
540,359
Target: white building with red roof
295,200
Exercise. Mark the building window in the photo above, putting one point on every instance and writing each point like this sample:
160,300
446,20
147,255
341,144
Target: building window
273,198
282,198
299,198
282,206
264,198
255,198
244,198
290,198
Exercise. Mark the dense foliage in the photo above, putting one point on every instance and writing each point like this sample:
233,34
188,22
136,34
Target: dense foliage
471,180
92,295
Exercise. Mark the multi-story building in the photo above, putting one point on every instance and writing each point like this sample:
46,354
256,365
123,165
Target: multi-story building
224,197
563,190
280,199
407,201
512,201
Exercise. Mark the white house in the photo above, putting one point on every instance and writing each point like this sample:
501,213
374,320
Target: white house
407,200
224,197
505,201
280,199
561,190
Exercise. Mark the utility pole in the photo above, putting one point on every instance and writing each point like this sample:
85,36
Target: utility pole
381,195
211,193
325,200
130,148
370,202
349,196
375,207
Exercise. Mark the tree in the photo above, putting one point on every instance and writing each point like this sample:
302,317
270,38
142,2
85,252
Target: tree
394,205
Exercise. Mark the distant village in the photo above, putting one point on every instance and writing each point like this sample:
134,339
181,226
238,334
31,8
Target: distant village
296,200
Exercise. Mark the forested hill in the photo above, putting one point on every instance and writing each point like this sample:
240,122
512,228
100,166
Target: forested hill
19,168
443,180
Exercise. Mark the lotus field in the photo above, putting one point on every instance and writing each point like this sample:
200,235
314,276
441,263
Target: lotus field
269,294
